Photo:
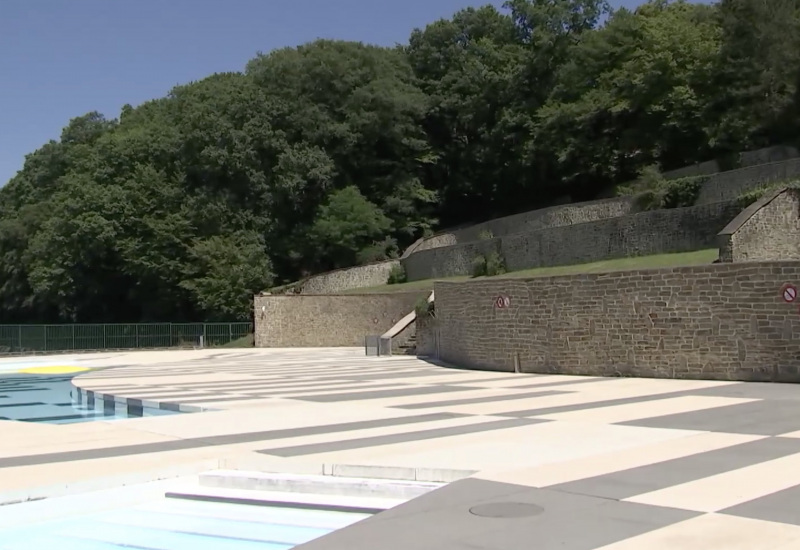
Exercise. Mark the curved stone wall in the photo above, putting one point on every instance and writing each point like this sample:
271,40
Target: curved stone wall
645,233
722,321
729,185
361,276
767,155
554,216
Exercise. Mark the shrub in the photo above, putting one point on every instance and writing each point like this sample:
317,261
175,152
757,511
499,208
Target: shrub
648,200
485,235
479,266
749,197
649,179
488,265
653,191
681,192
424,308
397,275
495,265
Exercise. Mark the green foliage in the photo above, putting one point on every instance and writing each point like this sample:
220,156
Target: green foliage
397,275
424,308
479,266
682,192
653,191
495,264
347,225
335,153
486,235
649,179
749,197
488,265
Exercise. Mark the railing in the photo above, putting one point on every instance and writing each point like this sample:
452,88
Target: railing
50,338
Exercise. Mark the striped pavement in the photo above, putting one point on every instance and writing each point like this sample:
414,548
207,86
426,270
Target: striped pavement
571,463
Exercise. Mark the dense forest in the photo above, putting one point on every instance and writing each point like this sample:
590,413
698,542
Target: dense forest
335,153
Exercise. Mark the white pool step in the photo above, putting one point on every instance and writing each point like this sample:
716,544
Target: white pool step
315,484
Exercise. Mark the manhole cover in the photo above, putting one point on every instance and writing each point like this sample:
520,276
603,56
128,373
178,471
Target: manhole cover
506,510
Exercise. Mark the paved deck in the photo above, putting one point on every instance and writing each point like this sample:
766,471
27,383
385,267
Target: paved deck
573,463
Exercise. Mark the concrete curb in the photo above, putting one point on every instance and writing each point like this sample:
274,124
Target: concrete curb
319,485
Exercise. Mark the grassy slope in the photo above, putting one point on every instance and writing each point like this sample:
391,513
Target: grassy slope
700,257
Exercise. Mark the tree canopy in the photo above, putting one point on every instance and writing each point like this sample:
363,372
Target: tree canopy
335,153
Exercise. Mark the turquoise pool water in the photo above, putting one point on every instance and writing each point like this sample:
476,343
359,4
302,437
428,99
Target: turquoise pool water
49,399
172,524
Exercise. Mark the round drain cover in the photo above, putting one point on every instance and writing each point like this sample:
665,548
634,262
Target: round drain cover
506,510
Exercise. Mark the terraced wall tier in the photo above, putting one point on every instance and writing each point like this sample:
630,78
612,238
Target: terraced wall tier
361,276
554,216
721,322
296,320
730,185
645,233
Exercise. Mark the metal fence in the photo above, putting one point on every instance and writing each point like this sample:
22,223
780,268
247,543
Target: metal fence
49,338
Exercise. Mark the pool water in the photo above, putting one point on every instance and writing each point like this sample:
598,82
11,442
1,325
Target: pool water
173,524
48,399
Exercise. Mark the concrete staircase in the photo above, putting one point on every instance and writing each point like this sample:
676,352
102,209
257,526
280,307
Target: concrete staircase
410,346
406,323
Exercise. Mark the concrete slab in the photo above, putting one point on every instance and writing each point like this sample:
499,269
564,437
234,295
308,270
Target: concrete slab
601,462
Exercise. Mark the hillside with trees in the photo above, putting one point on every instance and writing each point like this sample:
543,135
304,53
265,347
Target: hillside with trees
335,153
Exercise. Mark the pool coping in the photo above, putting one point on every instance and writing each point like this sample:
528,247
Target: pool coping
89,398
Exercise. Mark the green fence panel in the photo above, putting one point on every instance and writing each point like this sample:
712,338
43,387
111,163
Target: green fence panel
84,337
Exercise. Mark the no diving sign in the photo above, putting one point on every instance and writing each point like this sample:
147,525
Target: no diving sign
502,302
789,293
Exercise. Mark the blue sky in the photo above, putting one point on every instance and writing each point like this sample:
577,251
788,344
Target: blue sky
63,58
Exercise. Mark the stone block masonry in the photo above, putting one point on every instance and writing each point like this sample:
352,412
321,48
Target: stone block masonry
729,185
533,220
361,276
645,233
328,320
721,322
768,229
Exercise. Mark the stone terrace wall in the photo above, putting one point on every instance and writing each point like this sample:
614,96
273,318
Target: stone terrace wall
329,320
749,158
729,185
768,229
722,321
362,276
554,216
722,186
652,232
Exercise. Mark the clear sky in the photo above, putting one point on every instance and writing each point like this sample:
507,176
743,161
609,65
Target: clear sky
63,58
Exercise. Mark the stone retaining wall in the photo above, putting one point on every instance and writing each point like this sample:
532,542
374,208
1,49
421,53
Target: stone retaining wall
730,185
767,155
645,233
361,276
722,321
297,320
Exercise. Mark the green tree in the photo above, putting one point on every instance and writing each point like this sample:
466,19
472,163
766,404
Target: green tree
346,226
632,95
756,77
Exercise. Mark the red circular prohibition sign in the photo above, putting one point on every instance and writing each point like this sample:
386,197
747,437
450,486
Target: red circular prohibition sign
789,293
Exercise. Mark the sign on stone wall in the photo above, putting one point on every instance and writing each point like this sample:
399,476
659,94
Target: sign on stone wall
789,293
502,302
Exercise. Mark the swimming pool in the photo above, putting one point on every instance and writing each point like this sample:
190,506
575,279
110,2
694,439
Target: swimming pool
49,399
173,524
